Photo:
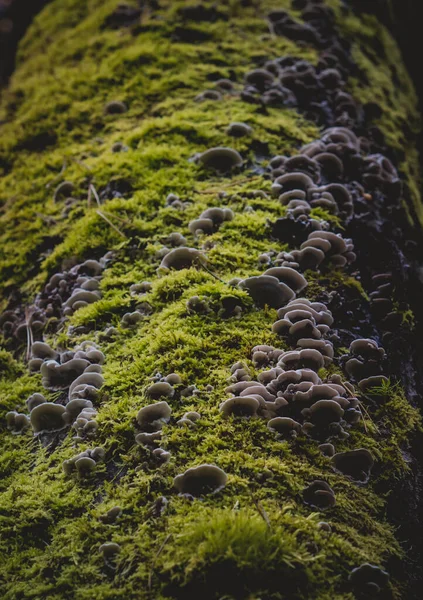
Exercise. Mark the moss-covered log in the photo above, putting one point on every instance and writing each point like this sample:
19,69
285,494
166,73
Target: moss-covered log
209,255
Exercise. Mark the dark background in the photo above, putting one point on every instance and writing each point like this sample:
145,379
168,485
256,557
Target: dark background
401,16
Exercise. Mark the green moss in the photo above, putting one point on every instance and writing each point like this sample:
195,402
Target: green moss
55,129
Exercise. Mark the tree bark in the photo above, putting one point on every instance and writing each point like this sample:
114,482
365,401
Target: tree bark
211,304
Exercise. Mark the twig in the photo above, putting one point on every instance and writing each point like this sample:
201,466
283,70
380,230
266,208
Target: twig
103,216
261,510
211,273
155,557
59,175
82,164
94,191
124,221
29,335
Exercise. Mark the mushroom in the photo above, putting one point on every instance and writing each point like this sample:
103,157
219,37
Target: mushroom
159,389
240,406
368,579
356,464
17,422
220,159
47,417
57,376
109,550
34,400
115,107
319,495
153,416
208,95
284,426
83,463
266,289
289,277
327,449
182,258
237,129
148,439
201,480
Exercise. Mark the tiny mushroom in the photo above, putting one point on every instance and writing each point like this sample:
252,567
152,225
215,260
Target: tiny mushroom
220,159
201,480
319,495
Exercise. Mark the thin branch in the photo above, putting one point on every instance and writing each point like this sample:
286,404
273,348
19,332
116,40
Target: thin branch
29,334
103,216
58,176
94,191
261,510
155,557
124,221
211,273
82,164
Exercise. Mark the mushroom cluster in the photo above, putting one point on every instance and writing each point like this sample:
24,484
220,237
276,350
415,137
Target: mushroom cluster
77,371
365,359
84,463
64,293
210,220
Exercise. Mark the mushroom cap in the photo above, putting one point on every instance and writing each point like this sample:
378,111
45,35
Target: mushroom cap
34,400
289,276
115,107
182,258
84,465
369,384
220,158
324,412
366,574
319,495
291,181
88,379
240,406
60,376
327,449
338,245
356,464
109,549
217,214
81,295
307,358
43,350
201,480
367,348
148,439
47,417
266,289
157,413
283,425
201,224
238,129
159,389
